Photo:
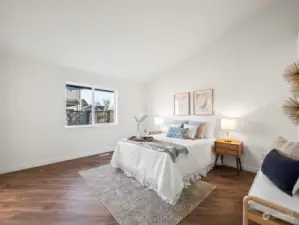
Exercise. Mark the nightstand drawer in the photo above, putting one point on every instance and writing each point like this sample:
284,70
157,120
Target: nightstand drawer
225,151
227,146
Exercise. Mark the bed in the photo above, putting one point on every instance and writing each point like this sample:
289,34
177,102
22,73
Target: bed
265,198
158,172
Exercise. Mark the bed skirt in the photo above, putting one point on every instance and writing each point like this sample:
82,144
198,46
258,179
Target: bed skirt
151,183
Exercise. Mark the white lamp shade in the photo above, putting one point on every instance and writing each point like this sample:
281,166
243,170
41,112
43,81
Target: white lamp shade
228,124
159,120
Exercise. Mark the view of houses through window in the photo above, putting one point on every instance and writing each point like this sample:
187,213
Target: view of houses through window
87,105
103,106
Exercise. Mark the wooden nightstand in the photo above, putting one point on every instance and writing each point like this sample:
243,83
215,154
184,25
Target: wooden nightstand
233,148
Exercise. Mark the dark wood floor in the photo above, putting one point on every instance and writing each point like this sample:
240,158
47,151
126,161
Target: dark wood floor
56,194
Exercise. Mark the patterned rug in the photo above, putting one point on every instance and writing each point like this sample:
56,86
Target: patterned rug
132,204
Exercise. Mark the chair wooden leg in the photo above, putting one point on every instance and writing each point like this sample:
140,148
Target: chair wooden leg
221,159
245,211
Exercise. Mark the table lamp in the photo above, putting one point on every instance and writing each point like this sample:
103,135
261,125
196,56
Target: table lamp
228,125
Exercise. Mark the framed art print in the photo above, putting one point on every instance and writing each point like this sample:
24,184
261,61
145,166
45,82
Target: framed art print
182,104
203,102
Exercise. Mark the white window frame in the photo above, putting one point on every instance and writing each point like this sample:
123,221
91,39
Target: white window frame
93,88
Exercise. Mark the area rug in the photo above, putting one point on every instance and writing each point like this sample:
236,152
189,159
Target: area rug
132,204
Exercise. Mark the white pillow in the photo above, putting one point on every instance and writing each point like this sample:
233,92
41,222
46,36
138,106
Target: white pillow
192,130
176,125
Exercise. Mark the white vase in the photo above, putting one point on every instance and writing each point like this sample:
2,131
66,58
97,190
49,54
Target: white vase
138,132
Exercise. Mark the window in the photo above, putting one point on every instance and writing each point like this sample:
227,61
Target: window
103,106
88,105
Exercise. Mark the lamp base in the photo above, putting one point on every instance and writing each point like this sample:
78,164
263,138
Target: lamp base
227,139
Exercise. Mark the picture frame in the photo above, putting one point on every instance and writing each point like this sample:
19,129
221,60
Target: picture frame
203,102
181,103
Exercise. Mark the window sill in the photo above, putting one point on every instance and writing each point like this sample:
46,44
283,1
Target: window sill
92,125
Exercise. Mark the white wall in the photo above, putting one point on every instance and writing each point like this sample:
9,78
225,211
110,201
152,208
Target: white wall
34,115
2,104
245,70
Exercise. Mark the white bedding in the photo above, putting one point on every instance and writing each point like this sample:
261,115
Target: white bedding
156,170
262,187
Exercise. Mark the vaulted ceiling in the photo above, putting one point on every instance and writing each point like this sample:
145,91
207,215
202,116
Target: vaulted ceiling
132,39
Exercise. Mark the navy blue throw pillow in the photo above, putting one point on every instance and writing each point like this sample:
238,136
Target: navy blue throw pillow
281,170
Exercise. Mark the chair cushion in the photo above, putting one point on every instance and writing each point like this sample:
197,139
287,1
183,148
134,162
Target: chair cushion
296,187
281,170
288,148
263,188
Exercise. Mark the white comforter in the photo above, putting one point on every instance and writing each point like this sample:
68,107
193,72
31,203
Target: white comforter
156,170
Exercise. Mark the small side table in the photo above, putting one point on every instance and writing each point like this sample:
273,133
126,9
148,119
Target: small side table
233,148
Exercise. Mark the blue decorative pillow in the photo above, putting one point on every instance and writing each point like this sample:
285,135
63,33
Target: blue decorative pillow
175,132
281,170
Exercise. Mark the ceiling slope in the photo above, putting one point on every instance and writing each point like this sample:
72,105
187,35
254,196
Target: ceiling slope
132,39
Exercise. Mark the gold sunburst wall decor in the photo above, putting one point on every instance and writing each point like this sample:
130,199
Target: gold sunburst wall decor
295,91
291,109
291,74
291,106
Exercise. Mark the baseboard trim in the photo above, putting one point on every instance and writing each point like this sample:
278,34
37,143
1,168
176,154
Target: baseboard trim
66,158
49,161
245,167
